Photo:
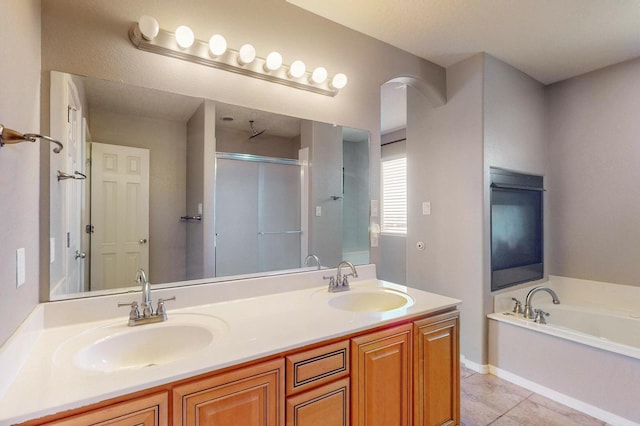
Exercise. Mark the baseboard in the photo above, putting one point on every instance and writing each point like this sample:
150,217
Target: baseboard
576,404
478,368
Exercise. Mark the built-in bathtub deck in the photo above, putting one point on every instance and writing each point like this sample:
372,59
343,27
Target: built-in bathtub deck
591,373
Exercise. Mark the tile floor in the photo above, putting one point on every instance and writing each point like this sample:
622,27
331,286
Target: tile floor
487,400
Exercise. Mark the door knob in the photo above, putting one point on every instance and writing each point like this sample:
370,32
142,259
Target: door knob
143,241
80,254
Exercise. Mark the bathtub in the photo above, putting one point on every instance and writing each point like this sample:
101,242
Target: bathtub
587,356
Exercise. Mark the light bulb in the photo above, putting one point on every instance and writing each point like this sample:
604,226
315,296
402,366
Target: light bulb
149,27
247,54
339,81
319,75
297,69
217,45
273,62
184,36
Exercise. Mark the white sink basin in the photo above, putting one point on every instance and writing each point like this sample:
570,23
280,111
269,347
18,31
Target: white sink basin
370,300
117,347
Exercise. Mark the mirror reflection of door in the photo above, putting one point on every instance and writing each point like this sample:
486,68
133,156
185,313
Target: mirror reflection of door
119,214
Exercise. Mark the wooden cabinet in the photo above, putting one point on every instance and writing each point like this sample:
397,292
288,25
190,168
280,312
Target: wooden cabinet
381,368
318,386
247,396
437,370
150,410
402,375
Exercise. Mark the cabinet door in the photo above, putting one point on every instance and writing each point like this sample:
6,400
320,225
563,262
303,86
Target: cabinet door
437,371
381,372
326,405
150,410
248,396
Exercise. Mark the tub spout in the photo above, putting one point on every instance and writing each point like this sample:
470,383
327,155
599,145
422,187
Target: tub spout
528,310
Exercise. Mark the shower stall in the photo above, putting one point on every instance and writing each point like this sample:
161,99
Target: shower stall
258,203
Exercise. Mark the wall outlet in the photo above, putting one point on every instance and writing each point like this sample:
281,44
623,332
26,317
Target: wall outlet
318,211
21,270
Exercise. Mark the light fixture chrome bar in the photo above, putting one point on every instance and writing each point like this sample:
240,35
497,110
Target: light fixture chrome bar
165,44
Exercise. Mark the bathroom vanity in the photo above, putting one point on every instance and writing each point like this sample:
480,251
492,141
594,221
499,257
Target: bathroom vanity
378,354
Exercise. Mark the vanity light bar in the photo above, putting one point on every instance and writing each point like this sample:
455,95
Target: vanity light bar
165,43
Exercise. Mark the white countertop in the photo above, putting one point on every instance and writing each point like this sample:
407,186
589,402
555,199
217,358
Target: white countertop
294,314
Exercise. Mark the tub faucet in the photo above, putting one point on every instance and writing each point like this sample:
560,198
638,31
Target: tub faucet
528,310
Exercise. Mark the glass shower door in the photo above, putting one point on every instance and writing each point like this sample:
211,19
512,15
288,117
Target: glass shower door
257,215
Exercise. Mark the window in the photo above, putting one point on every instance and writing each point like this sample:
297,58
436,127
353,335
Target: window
394,195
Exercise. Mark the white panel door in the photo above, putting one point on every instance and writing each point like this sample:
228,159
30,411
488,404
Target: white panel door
73,193
119,215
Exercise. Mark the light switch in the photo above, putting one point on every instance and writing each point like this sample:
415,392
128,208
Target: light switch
426,208
318,211
374,208
20,267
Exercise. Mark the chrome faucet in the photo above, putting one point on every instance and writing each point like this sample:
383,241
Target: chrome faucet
341,282
141,278
147,316
314,257
344,278
528,309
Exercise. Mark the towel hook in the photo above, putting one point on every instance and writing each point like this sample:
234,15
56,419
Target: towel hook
75,175
11,136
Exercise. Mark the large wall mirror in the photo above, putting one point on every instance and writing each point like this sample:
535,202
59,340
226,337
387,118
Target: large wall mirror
192,189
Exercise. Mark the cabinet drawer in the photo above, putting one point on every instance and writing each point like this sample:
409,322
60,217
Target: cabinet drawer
327,405
316,366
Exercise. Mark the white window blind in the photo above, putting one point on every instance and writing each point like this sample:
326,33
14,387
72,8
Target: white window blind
394,195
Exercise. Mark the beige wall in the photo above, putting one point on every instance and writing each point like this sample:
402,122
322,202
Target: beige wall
19,164
325,146
195,194
90,38
201,148
495,116
515,138
445,156
595,156
166,142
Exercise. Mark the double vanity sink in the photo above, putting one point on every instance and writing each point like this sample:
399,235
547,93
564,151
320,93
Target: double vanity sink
73,364
116,346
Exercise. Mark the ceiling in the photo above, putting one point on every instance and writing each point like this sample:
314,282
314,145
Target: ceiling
550,40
